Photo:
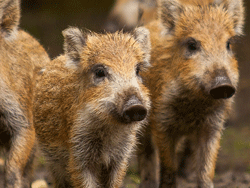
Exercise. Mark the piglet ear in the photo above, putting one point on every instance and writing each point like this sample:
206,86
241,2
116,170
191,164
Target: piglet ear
169,12
142,36
74,41
9,17
236,9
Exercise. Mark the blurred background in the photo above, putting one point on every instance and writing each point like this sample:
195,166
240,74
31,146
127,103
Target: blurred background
45,20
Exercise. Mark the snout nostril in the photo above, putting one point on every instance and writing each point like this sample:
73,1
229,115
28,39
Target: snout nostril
135,113
222,92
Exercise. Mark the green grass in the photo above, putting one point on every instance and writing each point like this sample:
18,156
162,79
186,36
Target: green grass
235,148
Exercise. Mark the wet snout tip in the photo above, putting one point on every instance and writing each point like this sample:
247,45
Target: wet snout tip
134,110
135,113
222,88
222,92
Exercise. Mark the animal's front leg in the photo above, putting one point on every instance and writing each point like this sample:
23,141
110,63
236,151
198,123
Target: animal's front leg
82,176
19,163
208,142
117,173
148,159
168,161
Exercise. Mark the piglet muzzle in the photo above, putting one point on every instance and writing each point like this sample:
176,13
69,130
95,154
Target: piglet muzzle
133,110
222,88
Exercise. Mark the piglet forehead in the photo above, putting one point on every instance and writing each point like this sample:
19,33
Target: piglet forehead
204,20
120,52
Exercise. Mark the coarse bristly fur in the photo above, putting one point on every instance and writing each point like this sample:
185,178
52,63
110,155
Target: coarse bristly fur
191,53
81,96
21,56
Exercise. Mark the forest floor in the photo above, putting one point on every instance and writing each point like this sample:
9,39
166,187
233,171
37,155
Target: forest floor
232,169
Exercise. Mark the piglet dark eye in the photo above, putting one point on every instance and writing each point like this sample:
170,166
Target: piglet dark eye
100,72
228,45
192,45
138,70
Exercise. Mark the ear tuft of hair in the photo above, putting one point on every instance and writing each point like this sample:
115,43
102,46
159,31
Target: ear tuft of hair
142,36
169,11
9,18
74,41
236,9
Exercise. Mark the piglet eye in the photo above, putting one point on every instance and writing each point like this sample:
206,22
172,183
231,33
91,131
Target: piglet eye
138,70
100,72
229,45
192,45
